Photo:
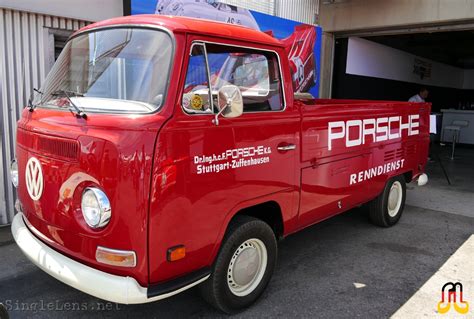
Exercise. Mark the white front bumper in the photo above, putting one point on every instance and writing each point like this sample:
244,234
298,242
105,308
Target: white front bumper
124,290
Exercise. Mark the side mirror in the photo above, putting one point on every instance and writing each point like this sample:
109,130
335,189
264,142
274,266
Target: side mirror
229,102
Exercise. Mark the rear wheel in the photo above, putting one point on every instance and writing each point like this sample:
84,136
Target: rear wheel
243,267
387,208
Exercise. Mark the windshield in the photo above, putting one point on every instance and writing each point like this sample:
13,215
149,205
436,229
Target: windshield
122,70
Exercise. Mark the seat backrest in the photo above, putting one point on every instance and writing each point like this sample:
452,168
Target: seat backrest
462,123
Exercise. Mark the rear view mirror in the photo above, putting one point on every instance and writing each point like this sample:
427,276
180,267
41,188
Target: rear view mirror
229,102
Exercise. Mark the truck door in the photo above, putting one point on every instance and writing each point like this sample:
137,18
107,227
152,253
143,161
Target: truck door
213,169
330,181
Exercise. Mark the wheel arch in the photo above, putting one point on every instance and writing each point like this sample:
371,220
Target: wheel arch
408,176
269,210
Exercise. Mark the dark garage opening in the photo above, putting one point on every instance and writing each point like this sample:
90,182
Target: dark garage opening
452,48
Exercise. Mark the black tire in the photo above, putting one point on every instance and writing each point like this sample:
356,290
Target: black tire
379,207
216,289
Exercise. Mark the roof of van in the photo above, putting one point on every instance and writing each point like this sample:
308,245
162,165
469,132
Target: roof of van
191,25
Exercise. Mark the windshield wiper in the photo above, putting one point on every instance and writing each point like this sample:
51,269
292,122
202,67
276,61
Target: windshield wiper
78,112
31,106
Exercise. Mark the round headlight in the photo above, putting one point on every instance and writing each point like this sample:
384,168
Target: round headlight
95,207
14,173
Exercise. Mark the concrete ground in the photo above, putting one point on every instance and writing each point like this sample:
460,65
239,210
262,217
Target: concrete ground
341,268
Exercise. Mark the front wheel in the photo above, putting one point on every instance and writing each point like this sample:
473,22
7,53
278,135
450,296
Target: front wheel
387,208
243,267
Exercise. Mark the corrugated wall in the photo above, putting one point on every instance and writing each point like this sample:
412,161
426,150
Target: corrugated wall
304,11
25,59
264,6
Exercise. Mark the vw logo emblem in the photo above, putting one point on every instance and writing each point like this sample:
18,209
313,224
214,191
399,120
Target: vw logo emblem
34,178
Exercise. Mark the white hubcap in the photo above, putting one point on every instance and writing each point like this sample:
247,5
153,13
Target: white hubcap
247,267
395,199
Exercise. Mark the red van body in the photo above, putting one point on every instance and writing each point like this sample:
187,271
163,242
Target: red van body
174,180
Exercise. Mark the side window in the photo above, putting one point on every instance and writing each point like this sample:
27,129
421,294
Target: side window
256,73
196,88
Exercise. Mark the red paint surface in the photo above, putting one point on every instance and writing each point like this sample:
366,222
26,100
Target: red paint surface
145,165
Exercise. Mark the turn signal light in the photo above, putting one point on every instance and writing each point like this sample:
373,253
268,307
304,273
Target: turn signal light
176,253
122,258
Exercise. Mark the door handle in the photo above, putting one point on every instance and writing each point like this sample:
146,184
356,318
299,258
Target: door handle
287,147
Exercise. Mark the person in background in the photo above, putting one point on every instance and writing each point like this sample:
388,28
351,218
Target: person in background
420,97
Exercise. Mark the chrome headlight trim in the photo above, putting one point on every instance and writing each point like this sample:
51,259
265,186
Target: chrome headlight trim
103,206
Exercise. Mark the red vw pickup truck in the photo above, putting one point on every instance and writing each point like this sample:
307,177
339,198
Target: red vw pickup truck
163,153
